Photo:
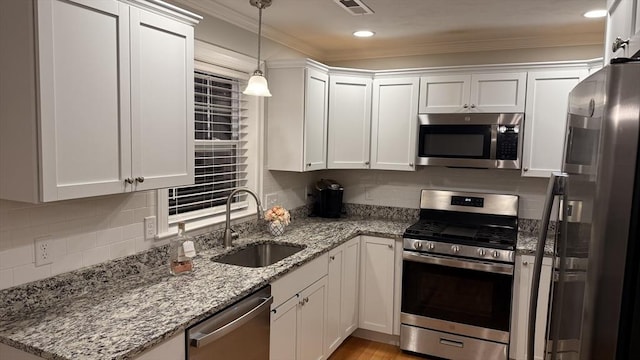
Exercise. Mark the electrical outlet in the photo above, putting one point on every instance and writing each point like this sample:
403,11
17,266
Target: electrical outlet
43,248
271,200
149,227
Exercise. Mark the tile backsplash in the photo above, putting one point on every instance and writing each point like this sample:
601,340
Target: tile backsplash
81,233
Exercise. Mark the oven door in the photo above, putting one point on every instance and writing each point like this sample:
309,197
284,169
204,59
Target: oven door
461,296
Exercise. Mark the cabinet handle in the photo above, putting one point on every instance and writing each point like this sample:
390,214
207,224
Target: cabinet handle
332,258
618,44
465,106
128,181
140,179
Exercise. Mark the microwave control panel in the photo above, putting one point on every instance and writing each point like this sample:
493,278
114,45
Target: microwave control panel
507,142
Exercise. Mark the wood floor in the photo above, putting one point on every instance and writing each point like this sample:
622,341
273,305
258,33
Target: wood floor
360,349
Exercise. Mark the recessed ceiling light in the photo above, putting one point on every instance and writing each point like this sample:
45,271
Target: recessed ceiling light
363,33
596,13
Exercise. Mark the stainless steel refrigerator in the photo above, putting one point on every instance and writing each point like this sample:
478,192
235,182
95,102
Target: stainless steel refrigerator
595,298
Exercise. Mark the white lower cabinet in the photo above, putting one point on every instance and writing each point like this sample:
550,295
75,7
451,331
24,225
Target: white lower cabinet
342,291
299,313
377,272
520,307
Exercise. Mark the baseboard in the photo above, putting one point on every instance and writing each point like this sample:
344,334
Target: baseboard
376,336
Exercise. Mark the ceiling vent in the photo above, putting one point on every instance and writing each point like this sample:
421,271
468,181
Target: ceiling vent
354,7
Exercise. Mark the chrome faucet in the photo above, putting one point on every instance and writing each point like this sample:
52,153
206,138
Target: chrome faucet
229,234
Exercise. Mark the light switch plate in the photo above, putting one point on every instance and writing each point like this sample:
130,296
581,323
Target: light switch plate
271,200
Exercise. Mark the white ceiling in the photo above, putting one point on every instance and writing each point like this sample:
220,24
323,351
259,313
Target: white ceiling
322,29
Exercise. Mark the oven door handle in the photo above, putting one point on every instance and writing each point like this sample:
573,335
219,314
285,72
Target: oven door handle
468,264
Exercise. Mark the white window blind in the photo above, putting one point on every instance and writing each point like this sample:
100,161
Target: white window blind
220,149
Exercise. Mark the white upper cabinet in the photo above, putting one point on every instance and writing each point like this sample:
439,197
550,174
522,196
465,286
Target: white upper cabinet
103,115
349,122
546,119
297,116
623,29
162,92
394,123
486,93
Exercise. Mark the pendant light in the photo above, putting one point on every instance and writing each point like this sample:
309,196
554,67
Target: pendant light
257,85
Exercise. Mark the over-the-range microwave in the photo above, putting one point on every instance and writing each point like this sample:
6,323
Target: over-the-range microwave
471,140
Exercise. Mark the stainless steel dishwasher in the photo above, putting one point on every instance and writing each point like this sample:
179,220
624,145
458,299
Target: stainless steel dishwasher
239,332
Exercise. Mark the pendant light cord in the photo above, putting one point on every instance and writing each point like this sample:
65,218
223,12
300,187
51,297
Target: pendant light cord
259,32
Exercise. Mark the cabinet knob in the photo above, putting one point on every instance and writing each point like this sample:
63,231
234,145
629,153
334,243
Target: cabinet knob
140,179
128,180
473,106
410,164
308,164
526,169
618,44
525,263
306,300
390,246
366,163
332,258
465,106
274,311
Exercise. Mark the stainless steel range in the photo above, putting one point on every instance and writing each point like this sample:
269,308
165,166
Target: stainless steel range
457,278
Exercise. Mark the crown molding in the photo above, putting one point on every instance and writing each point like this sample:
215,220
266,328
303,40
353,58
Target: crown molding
217,10
444,47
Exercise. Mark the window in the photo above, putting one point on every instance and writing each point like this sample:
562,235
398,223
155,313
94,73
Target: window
220,157
227,144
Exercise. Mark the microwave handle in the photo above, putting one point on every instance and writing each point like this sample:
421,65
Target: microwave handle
494,141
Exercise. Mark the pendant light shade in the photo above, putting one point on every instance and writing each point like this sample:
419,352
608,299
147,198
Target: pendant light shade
257,85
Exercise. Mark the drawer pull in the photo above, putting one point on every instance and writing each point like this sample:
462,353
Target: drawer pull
458,344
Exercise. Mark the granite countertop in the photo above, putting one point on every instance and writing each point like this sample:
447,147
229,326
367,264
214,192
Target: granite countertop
122,317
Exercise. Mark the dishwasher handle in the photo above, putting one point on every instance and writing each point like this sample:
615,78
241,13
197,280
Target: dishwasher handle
199,339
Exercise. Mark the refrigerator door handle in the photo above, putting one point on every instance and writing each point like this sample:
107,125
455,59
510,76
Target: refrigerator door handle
557,186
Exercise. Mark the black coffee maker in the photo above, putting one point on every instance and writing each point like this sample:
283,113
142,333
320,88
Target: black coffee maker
328,199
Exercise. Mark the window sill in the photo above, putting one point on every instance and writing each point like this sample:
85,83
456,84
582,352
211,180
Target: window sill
206,224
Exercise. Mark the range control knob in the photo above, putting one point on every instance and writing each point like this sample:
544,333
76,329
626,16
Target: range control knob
455,249
431,246
417,245
482,252
496,254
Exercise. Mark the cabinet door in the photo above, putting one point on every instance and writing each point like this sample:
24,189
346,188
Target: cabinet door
84,98
394,124
349,122
312,321
444,93
284,330
376,286
546,119
619,25
350,287
334,334
520,307
315,119
162,112
495,93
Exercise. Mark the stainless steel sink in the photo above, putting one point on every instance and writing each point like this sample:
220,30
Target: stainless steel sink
259,255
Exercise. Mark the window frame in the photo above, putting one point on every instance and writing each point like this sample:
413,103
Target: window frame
223,62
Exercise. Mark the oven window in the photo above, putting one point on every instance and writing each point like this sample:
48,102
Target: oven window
458,295
455,141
